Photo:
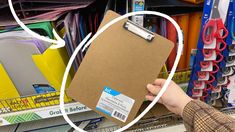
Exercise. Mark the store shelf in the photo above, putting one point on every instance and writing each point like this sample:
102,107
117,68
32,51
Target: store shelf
40,113
172,7
180,126
44,106
176,128
57,124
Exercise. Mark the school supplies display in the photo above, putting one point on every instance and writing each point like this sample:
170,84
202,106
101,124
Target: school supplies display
31,72
227,66
117,65
28,70
206,82
138,5
38,11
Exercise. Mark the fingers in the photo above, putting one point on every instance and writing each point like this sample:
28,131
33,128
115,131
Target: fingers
159,82
153,89
149,97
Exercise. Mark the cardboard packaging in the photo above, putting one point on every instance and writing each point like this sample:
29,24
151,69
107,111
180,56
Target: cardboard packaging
112,78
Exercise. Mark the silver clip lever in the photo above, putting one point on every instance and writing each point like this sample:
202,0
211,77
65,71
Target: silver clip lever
138,30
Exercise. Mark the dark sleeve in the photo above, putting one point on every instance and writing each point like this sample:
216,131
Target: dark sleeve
199,117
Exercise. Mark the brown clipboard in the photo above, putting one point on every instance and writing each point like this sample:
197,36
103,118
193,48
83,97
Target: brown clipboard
122,61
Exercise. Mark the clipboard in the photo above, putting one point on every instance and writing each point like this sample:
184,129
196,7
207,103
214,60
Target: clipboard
119,64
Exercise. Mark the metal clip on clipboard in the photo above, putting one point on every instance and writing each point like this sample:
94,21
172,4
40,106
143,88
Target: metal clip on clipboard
138,30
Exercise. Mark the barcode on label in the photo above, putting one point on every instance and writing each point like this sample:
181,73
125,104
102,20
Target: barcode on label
119,116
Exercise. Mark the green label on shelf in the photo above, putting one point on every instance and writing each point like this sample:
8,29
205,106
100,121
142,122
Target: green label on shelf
22,118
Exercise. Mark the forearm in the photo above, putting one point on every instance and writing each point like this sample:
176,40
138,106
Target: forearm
198,116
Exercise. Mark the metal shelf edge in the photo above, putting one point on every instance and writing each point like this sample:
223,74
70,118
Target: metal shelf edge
40,113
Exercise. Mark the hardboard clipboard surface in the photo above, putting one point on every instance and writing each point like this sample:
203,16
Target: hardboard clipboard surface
122,61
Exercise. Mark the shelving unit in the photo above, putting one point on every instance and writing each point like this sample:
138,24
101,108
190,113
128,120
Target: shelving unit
46,106
40,113
161,126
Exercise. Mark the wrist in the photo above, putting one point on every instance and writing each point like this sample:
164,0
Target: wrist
186,100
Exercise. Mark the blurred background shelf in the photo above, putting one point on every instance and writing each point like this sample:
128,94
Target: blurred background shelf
172,7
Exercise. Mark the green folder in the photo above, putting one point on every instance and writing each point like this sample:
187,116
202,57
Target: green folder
43,28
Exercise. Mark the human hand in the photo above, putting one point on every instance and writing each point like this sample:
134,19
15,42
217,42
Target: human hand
174,98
